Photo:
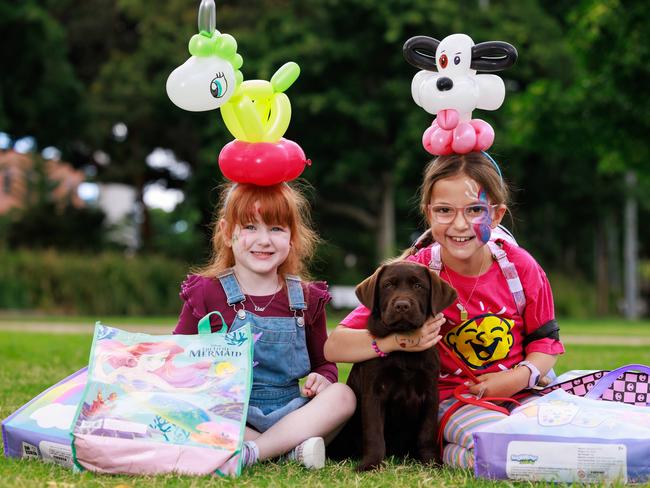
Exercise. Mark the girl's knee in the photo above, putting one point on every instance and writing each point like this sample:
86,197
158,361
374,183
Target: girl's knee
458,456
344,398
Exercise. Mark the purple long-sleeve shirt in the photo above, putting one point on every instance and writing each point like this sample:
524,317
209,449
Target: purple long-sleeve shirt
202,295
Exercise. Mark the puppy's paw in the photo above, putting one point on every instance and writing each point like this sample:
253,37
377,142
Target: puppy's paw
428,455
369,464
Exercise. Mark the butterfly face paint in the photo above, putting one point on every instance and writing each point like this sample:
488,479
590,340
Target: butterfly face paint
483,229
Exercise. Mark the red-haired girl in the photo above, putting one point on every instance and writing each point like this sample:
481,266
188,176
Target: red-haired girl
262,241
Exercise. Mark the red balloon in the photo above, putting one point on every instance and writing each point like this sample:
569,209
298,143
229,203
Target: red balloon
262,163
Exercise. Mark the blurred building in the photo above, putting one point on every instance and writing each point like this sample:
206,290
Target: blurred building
16,171
119,204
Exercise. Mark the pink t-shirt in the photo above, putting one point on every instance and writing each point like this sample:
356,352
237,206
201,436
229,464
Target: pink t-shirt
491,339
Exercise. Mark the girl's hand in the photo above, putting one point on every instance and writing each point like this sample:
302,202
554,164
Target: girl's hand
418,340
314,384
501,384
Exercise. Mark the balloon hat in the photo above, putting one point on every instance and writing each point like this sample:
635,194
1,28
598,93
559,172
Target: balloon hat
256,112
258,115
209,77
449,87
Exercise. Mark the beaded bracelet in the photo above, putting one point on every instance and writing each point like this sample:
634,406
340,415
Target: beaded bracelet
375,348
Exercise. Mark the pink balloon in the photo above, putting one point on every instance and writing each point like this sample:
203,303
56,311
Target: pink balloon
262,163
441,142
464,138
426,138
447,119
484,134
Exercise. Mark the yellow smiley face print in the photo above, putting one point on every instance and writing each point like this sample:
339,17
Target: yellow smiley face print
481,340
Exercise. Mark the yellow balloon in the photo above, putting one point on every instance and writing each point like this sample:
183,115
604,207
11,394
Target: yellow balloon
249,120
232,123
279,119
262,107
257,89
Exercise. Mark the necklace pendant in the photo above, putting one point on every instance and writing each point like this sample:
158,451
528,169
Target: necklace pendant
259,309
241,314
463,312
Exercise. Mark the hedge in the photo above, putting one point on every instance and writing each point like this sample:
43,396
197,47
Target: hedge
112,283
109,283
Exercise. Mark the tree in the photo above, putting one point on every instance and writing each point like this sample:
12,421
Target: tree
40,94
44,222
580,138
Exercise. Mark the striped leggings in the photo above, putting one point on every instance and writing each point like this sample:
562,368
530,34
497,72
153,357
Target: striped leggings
459,443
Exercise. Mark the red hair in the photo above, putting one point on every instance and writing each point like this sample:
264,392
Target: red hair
280,204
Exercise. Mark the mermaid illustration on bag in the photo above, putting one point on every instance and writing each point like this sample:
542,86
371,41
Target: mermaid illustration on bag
150,366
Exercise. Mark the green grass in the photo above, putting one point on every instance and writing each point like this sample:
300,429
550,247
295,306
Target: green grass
34,361
606,327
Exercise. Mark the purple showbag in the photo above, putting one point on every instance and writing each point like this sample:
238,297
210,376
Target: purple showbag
569,435
627,384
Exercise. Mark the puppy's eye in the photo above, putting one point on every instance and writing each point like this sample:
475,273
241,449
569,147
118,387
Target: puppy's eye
457,60
417,286
443,61
388,284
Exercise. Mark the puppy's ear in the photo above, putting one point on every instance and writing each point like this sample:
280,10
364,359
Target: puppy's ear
493,56
420,51
366,290
442,295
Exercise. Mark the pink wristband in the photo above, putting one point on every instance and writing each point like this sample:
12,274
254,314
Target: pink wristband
375,348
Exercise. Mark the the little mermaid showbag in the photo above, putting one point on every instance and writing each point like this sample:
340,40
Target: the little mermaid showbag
165,404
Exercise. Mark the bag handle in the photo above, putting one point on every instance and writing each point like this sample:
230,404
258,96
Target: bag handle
608,380
204,324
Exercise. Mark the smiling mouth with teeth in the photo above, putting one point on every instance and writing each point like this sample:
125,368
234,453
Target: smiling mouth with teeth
461,239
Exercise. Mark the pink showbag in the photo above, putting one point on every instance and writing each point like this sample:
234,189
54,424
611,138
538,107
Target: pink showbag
165,404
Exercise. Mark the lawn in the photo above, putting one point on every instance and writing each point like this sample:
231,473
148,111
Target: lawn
34,361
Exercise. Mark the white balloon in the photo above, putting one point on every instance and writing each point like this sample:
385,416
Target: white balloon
465,90
201,83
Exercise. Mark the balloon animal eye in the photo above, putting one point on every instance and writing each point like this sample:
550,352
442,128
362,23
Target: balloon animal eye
457,60
218,85
443,61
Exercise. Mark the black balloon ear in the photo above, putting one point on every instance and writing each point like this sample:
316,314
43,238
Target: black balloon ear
420,51
493,56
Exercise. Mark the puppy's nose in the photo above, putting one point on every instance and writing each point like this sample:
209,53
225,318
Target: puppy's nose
444,84
402,306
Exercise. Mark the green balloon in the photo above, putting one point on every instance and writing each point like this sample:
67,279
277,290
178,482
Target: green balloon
237,61
201,45
285,76
226,46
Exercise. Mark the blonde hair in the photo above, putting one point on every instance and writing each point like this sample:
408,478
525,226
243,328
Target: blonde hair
278,204
476,166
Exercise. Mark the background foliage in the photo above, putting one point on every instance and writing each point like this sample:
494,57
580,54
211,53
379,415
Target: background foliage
103,284
573,123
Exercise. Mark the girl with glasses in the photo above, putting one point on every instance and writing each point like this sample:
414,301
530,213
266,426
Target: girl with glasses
502,326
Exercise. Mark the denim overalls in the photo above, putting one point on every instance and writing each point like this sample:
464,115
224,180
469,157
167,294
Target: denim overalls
280,353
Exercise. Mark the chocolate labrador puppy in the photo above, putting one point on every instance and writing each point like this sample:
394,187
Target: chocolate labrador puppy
397,395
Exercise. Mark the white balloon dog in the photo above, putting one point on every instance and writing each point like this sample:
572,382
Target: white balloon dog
449,87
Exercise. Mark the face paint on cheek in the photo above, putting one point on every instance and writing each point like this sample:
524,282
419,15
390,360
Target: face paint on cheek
241,241
483,229
483,232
